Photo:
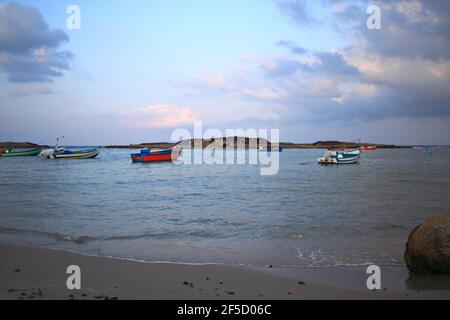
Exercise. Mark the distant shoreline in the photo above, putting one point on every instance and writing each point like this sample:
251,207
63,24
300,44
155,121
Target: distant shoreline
247,142
249,145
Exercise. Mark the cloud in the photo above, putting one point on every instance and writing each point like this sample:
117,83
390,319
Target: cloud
30,90
331,63
295,49
264,93
334,63
411,29
283,67
158,116
298,10
402,70
29,47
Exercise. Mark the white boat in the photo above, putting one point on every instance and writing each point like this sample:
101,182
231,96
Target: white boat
340,157
62,153
46,153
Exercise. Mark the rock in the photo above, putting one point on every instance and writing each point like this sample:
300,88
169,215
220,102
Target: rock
81,240
428,247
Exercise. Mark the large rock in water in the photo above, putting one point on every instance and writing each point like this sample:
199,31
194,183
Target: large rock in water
428,247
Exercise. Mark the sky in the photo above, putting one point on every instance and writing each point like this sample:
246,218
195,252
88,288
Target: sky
137,70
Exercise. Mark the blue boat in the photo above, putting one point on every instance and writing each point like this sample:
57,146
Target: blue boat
340,157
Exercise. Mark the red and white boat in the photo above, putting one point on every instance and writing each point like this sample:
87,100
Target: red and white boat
147,155
368,148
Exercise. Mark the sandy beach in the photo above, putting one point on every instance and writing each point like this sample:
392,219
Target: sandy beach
37,273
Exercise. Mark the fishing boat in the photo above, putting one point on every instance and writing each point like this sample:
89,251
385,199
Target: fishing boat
368,148
147,155
23,153
340,157
62,153
5,150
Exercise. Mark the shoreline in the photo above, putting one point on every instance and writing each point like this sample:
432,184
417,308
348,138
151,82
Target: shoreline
205,143
39,273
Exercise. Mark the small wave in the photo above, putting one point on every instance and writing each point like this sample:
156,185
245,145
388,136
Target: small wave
76,239
167,235
25,232
58,236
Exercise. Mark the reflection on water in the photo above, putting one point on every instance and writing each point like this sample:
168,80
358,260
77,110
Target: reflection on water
305,215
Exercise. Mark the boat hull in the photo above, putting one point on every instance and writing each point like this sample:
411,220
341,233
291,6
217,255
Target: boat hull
368,148
25,153
337,157
155,156
334,161
68,154
88,155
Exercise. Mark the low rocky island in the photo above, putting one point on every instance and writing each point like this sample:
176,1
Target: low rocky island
21,145
226,143
249,143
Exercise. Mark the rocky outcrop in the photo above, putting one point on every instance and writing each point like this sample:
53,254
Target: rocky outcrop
20,145
428,247
250,143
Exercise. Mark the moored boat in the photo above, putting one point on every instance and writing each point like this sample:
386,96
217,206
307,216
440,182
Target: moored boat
5,150
22,153
147,155
62,153
340,157
368,148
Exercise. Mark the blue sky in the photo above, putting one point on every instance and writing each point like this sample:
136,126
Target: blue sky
137,70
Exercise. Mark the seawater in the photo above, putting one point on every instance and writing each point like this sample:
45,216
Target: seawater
306,215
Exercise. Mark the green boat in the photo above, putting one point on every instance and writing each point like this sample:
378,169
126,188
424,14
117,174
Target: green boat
24,153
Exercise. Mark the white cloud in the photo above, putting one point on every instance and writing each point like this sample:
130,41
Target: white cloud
157,116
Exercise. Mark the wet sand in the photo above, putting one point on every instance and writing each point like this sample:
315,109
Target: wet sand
36,273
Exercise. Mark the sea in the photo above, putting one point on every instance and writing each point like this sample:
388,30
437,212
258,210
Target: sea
305,215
